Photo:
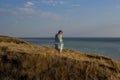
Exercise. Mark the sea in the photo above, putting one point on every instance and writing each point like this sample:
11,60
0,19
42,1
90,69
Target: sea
109,47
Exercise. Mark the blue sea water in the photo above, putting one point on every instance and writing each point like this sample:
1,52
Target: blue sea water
104,46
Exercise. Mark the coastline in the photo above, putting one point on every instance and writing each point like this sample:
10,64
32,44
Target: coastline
29,61
102,46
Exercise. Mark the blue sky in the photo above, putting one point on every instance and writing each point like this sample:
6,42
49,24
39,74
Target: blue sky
43,18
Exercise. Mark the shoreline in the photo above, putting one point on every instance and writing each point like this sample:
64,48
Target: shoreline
104,47
25,60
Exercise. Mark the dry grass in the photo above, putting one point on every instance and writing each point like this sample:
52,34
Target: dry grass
20,60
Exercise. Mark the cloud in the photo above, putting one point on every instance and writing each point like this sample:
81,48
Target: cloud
28,4
30,12
53,2
27,11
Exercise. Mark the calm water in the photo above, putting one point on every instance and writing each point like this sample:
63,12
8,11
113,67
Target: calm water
105,46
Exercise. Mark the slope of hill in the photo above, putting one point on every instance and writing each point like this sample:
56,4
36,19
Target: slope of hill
21,60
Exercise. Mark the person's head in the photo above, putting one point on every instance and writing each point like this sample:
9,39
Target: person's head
60,32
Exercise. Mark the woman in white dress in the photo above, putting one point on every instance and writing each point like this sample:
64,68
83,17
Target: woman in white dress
59,41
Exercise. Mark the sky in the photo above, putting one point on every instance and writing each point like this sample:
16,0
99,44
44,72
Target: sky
76,18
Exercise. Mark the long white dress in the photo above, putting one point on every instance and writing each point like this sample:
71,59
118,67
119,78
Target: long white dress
59,42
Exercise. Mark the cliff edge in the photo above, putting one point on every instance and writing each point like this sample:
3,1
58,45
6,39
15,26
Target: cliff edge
21,60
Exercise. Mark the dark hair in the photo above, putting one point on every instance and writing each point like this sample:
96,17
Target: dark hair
59,31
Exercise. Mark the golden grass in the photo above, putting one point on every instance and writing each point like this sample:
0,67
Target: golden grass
20,60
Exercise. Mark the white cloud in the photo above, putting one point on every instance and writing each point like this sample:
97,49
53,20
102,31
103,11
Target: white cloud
27,11
28,4
53,2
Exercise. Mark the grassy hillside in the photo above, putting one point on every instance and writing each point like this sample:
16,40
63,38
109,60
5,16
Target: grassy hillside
20,60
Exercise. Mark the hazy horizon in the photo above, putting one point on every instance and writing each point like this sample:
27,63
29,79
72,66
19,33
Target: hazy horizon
74,37
43,18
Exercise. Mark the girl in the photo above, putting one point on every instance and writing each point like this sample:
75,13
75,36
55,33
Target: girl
59,41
